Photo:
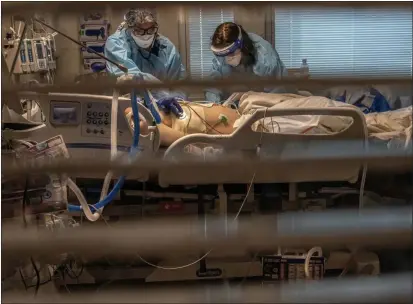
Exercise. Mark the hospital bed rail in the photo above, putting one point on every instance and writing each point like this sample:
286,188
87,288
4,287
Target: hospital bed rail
385,289
332,229
394,159
262,144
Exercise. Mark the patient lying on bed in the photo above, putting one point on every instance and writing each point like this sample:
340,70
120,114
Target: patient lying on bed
206,118
210,118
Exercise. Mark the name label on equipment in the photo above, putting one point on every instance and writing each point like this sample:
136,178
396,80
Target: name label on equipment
286,268
209,273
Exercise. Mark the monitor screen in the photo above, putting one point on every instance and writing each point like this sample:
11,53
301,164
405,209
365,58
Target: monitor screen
39,51
65,114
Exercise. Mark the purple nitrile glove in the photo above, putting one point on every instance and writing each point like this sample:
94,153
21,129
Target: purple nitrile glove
170,104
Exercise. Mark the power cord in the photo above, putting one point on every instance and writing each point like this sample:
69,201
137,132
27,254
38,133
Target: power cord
71,273
34,285
25,201
61,271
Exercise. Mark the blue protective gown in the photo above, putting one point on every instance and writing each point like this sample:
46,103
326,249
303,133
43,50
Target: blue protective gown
163,63
268,63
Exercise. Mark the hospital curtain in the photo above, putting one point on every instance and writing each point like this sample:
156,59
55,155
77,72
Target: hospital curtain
202,24
365,42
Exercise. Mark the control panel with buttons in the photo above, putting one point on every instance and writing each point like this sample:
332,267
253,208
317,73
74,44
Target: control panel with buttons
96,119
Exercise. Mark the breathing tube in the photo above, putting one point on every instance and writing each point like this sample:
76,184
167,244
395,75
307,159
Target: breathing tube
148,101
89,210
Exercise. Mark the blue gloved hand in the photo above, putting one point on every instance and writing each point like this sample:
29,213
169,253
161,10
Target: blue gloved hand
170,104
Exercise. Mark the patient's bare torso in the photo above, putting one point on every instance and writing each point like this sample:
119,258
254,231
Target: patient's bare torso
203,118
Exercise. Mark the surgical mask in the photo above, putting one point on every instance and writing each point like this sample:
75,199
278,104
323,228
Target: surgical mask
233,60
144,41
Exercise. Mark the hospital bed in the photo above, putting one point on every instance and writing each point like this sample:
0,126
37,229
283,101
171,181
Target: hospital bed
83,121
80,120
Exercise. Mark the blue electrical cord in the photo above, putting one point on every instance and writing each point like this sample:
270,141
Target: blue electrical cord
132,153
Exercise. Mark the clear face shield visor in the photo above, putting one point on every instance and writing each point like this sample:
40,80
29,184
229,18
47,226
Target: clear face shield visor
230,49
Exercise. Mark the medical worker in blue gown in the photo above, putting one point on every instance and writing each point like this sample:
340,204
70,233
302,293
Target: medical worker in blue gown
146,54
238,53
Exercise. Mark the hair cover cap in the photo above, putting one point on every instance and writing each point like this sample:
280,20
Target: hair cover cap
139,16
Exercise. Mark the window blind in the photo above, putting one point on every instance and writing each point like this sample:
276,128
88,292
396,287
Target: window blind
202,24
346,42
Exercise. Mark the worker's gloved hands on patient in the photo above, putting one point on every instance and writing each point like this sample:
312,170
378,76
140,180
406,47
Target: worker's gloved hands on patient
132,77
124,78
170,105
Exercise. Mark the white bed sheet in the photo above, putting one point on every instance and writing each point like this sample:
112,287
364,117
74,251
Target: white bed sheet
384,126
393,125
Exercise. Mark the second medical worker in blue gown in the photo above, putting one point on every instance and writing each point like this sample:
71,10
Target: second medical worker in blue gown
138,46
238,53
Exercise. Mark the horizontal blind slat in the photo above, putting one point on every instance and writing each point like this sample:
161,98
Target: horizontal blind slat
202,24
352,42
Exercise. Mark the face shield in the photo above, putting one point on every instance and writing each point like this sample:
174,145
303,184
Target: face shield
232,52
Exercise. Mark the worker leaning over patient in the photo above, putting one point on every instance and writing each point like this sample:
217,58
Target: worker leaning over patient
146,54
238,53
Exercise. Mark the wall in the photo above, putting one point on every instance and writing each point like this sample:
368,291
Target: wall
68,55
6,23
252,19
70,62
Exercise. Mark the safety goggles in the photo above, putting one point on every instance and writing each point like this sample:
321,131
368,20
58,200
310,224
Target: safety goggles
229,49
141,32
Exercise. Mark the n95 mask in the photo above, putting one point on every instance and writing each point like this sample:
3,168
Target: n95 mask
233,60
144,41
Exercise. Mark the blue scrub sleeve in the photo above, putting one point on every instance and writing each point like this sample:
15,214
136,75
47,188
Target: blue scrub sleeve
214,95
275,68
119,50
176,71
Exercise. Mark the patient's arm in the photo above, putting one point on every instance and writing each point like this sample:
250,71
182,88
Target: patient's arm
168,135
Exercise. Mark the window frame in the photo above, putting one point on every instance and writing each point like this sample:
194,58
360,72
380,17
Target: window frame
270,24
273,24
185,27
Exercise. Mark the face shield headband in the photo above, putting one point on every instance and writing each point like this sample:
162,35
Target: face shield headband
229,49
